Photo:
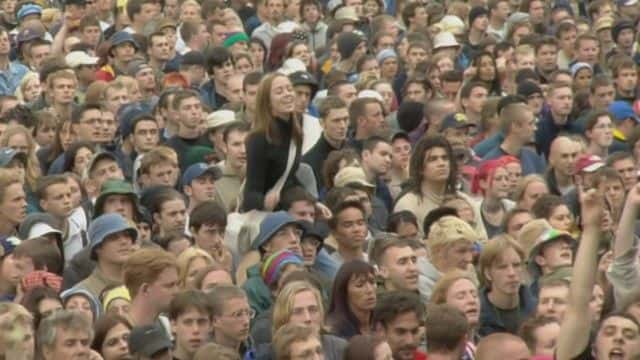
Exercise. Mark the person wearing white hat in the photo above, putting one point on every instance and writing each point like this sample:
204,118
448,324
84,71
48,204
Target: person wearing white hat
216,123
84,66
498,14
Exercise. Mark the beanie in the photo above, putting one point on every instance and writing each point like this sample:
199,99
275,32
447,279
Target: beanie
618,26
234,38
273,265
347,44
410,115
476,12
528,88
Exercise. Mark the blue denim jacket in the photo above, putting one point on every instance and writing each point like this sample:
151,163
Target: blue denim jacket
10,78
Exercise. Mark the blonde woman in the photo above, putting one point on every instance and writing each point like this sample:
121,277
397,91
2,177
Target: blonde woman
16,332
530,188
29,89
19,138
190,262
299,302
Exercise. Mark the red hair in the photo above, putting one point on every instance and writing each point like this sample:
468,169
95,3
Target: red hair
487,169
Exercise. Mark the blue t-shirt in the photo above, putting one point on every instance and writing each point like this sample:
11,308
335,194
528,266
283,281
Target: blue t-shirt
531,162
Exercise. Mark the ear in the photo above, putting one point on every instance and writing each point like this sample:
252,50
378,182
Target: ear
540,260
379,331
383,272
188,190
463,102
173,327
91,187
156,218
484,184
43,204
487,274
143,179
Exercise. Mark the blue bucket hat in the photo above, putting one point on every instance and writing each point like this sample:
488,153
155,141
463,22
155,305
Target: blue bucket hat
105,225
29,9
122,37
271,224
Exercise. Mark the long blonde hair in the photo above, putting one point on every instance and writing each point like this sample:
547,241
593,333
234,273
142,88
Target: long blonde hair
283,305
32,170
184,262
265,120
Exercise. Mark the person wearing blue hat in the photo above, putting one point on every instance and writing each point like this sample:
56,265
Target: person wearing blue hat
122,48
626,121
28,11
112,239
278,231
199,183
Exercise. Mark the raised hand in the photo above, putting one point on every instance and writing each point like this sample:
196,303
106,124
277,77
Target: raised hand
592,207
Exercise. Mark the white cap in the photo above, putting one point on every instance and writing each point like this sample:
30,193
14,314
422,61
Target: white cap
41,229
444,39
77,58
370,94
346,13
220,118
292,65
452,24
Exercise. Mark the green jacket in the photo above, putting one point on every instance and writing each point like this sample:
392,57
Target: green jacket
258,293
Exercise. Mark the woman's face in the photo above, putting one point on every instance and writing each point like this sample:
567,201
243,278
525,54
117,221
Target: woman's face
463,295
282,97
532,193
116,343
32,91
434,77
19,143
81,304
48,306
407,230
486,69
515,174
45,135
18,166
389,68
602,132
195,266
561,218
582,80
371,8
257,52
120,307
596,303
67,135
244,66
83,156
301,51
500,184
400,153
361,292
306,310
445,64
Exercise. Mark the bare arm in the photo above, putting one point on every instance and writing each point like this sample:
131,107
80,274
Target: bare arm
574,331
625,234
57,48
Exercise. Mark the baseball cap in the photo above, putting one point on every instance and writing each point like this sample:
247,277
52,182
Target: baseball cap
304,78
8,154
78,58
352,175
28,9
148,340
198,169
589,163
622,110
455,121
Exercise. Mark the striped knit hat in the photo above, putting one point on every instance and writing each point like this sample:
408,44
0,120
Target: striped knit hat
275,263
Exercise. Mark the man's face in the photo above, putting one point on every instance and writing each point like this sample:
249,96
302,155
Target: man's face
450,89
399,268
505,273
124,52
536,11
119,203
147,12
250,93
625,38
233,324
234,87
303,210
201,189
403,335
620,335
275,8
373,120
108,128
172,216
164,289
602,132
552,302
306,310
235,149
627,80
567,40
416,55
163,174
335,124
437,165
192,329
525,62
385,42
171,34
106,169
57,201
309,349
5,44
63,91
210,238
223,73
457,255
602,97
116,248
627,170
351,228
70,344
377,160
145,136
146,79
347,93
535,102
563,156
190,113
38,54
415,92
476,100
463,295
89,127
160,49
287,237
356,5
91,35
303,97
115,98
547,57
588,51
561,101
216,278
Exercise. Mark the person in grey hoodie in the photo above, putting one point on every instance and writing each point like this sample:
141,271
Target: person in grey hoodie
450,243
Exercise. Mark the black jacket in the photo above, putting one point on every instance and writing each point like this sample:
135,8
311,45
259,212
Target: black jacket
316,156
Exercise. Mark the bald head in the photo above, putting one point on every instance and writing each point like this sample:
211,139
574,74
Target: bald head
500,346
563,155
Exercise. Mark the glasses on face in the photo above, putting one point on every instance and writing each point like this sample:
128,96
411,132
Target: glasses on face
238,315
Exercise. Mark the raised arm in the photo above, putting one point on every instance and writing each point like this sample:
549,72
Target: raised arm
574,331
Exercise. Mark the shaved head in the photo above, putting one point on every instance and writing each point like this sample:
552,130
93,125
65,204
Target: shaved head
501,346
563,154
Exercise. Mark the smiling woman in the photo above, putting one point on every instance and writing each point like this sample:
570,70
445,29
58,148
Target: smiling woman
273,149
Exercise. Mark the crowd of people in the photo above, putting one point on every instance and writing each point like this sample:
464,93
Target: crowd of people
313,179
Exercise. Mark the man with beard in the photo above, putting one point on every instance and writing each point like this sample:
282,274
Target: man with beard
396,261
562,163
397,318
112,240
151,276
199,183
274,15
231,317
190,316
